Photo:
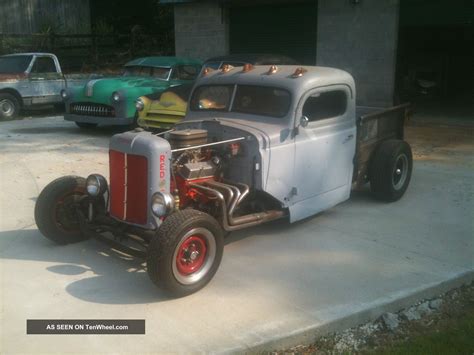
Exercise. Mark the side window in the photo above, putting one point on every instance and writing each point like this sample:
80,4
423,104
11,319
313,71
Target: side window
325,105
185,72
44,65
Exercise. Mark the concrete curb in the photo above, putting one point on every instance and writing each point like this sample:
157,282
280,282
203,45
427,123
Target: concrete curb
366,313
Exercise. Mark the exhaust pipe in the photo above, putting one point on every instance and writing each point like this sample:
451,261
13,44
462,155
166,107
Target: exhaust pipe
229,222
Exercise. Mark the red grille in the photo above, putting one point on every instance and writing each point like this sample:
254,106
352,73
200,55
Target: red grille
128,187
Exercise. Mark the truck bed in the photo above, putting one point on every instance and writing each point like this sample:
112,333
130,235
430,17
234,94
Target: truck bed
375,125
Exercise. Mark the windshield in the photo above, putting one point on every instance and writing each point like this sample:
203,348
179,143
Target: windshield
139,70
15,64
251,99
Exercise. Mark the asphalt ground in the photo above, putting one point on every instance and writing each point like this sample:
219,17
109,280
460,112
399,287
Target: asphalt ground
278,285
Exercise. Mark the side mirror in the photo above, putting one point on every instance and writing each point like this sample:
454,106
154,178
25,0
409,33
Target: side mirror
304,121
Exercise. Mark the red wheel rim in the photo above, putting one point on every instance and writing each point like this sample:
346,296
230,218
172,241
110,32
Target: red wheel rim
191,255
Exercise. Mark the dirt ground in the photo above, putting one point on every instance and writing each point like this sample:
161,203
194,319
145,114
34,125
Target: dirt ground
441,143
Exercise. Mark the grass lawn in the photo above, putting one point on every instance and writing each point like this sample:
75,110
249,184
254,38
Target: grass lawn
452,334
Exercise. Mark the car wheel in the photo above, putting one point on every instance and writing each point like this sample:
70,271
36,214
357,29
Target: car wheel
390,170
9,106
86,125
55,210
185,253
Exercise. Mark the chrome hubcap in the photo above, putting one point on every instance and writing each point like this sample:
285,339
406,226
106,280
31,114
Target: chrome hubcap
194,255
400,172
6,107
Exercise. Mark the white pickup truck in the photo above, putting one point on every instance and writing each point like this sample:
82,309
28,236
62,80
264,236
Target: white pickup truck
258,143
30,79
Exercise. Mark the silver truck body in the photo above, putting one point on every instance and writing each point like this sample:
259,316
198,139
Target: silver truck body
34,86
258,144
308,169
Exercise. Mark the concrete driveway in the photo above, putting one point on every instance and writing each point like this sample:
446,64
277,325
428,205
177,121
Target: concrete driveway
278,284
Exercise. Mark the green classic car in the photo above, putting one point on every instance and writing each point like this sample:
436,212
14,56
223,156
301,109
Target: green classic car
111,101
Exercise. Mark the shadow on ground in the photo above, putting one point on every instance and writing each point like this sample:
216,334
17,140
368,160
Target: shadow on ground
109,277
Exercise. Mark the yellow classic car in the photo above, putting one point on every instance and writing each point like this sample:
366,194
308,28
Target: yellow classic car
162,111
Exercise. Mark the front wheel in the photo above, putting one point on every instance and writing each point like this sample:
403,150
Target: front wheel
390,170
56,210
9,106
185,253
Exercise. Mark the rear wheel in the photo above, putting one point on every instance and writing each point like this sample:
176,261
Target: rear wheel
390,170
56,210
86,125
9,106
185,253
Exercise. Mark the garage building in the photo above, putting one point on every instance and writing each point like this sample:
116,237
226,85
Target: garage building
371,39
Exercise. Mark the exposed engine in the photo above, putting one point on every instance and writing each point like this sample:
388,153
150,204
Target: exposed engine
193,165
201,172
210,168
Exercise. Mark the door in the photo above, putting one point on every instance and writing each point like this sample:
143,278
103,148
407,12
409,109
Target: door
324,150
46,81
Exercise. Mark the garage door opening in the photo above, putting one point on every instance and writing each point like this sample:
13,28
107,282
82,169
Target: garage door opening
435,59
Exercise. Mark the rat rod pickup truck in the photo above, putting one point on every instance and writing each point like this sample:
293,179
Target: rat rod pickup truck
30,79
258,143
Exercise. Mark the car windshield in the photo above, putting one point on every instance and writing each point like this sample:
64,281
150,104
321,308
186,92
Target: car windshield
15,64
250,99
139,70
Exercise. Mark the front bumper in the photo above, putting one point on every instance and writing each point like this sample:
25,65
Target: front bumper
120,121
120,236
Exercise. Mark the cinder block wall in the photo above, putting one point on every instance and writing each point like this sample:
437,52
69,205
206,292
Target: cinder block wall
201,29
361,39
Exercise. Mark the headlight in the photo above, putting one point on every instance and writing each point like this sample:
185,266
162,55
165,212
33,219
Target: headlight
64,94
96,185
161,204
139,105
116,97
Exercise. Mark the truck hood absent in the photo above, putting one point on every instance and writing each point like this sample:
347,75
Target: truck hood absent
268,134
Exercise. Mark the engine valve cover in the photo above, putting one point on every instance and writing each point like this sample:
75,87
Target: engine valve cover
187,138
200,170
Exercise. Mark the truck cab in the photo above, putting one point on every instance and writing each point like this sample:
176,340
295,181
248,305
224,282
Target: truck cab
305,123
258,143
